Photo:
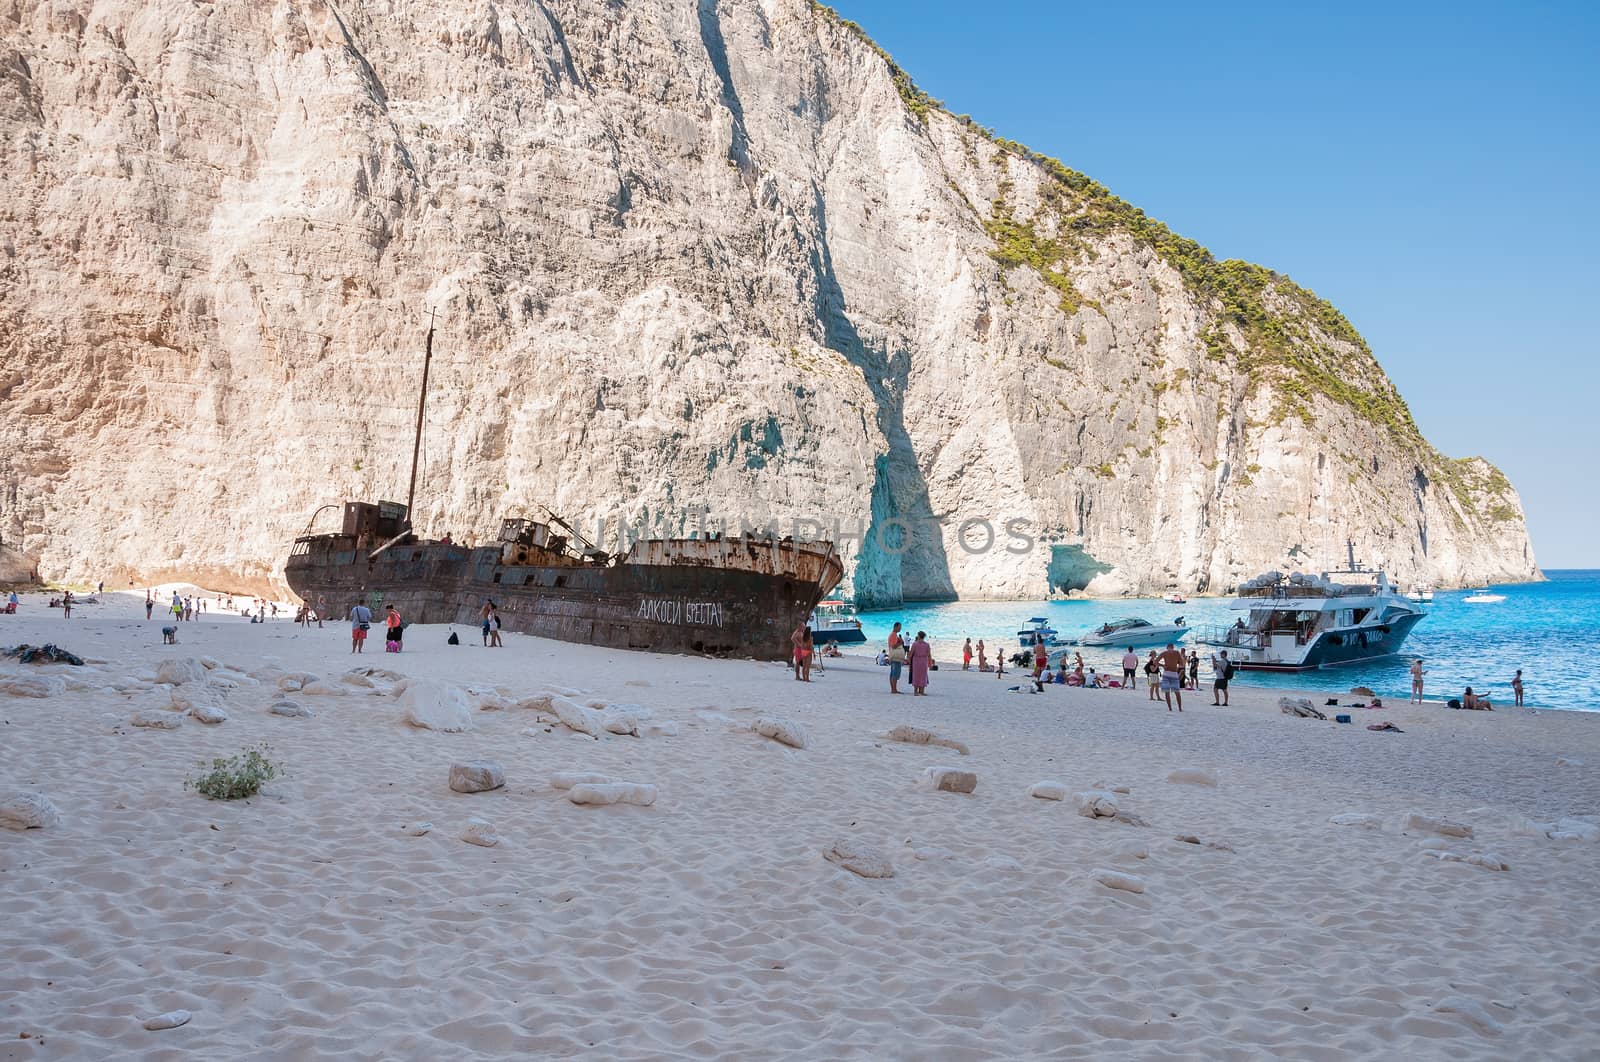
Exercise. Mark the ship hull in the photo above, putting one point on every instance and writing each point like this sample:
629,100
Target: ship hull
1338,648
718,599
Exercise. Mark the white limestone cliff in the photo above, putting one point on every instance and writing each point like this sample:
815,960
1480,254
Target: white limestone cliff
685,256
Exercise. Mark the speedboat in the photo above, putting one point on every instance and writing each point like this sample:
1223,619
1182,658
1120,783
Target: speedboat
1421,593
835,621
1175,598
1297,622
1038,629
1133,631
1483,596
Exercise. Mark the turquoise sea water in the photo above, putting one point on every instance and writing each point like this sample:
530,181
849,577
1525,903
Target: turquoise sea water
1551,630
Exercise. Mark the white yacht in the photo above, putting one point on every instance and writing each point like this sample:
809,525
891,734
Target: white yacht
1421,593
1039,629
1483,596
834,621
1134,632
1297,622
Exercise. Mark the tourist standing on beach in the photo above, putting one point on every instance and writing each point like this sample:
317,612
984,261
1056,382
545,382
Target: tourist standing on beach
921,657
483,615
1172,664
66,604
1041,657
966,656
1130,669
360,621
897,658
983,657
391,620
494,628
1151,668
1416,680
808,650
1516,687
1194,671
149,605
1221,669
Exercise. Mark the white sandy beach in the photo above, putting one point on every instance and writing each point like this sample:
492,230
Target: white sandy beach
306,923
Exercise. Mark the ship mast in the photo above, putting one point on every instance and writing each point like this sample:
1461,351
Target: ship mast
422,403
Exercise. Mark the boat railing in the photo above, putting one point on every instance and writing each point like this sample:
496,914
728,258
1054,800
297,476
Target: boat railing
1243,638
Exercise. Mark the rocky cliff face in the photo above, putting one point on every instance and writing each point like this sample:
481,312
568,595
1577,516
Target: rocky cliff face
686,256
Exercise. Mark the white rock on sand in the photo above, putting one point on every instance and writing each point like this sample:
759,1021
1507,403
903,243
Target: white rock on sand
170,1020
949,779
860,859
1415,823
476,776
781,731
1048,790
624,719
40,686
176,672
579,718
28,811
206,712
1116,879
916,735
1096,804
416,829
1359,819
480,832
290,709
1486,860
157,720
431,705
295,681
600,793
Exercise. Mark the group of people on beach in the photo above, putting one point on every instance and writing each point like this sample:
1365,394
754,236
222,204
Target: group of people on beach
1468,701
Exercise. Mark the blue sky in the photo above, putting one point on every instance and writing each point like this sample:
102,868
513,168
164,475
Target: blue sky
1431,169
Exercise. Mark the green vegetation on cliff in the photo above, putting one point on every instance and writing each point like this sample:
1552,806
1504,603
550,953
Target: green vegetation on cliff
919,103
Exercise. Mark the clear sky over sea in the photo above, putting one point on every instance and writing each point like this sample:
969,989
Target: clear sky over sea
1431,169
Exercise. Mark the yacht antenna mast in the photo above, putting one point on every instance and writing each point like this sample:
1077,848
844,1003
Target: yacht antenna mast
422,403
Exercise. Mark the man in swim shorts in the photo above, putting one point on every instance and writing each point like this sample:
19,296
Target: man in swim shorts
1172,666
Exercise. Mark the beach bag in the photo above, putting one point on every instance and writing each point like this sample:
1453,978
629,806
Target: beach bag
391,647
1452,703
366,626
1227,673
897,655
453,639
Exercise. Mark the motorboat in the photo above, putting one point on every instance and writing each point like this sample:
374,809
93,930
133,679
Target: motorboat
1483,596
1421,593
835,621
1133,632
1038,629
1299,621
1176,598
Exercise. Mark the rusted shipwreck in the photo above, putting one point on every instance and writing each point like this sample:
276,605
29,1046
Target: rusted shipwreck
717,595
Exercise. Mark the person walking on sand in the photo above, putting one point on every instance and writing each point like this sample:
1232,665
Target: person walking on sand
795,637
360,622
1516,687
966,656
921,657
395,632
897,658
494,628
1151,669
483,615
1221,671
1416,680
66,604
808,649
1172,666
149,605
983,657
1000,664
1130,669
1194,671
1041,657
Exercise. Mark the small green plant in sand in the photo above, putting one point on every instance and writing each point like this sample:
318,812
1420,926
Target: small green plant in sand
236,777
